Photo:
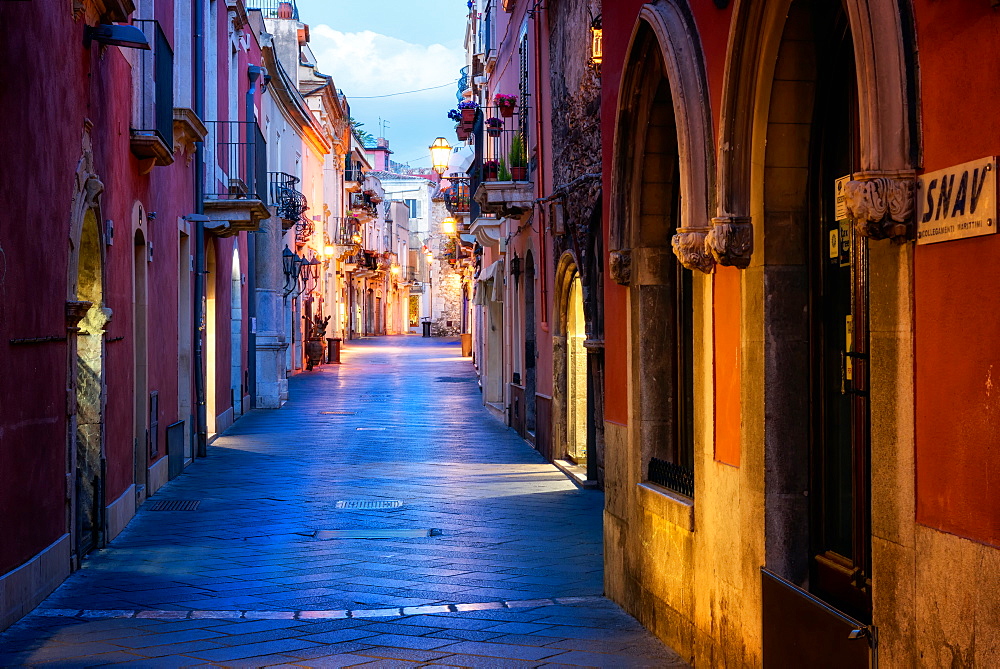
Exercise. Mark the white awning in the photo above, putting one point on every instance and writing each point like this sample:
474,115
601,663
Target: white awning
494,274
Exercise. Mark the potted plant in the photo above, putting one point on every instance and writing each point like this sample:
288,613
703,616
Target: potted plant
468,110
455,115
462,132
506,104
494,126
517,158
503,174
490,170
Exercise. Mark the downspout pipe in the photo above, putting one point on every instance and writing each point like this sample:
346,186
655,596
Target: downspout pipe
199,236
253,73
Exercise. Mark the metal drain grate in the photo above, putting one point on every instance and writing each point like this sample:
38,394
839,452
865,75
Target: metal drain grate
369,504
174,505
374,533
338,413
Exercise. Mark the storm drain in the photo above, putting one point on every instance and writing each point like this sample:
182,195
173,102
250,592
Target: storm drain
373,533
369,504
174,505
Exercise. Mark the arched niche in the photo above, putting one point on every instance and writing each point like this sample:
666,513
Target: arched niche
663,89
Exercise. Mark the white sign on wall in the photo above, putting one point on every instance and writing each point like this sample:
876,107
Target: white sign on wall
957,202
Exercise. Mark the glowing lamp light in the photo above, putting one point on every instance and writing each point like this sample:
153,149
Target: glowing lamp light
449,226
596,42
356,238
440,155
395,269
329,250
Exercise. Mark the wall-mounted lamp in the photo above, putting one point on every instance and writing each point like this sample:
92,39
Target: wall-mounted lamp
449,226
596,41
127,36
440,155
290,264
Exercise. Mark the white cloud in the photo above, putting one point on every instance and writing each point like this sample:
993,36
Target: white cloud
367,63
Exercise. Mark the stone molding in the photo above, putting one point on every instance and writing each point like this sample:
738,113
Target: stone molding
620,266
730,241
881,204
691,250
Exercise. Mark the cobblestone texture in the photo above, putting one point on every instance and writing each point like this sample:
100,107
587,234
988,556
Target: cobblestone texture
511,575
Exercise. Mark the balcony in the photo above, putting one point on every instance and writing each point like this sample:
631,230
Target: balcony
363,205
236,181
275,9
500,174
354,175
456,197
348,232
151,137
304,229
289,203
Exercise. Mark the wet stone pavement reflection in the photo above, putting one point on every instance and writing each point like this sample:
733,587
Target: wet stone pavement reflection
479,554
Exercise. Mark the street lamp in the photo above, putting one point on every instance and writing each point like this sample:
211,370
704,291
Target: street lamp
291,265
449,226
440,155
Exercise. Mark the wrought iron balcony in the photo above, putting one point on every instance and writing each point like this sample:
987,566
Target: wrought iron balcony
236,181
500,174
354,175
456,197
289,202
304,229
275,9
152,131
347,231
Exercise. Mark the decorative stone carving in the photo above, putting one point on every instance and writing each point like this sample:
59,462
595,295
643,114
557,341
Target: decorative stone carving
730,241
620,266
75,311
690,249
880,206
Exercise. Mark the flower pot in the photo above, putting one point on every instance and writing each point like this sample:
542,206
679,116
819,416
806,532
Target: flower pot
519,173
462,132
468,116
493,132
506,111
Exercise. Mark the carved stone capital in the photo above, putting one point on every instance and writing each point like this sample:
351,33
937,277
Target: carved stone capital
75,311
690,249
730,241
620,266
880,206
93,188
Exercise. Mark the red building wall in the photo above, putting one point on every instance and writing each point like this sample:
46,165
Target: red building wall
957,324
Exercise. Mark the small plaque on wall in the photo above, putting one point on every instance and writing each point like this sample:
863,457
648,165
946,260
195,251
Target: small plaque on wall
957,202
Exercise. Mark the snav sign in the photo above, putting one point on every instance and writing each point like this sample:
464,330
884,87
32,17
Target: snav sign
957,202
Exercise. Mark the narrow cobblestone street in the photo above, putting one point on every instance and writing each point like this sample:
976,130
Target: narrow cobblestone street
472,551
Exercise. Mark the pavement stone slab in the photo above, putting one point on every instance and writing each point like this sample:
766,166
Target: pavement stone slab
512,575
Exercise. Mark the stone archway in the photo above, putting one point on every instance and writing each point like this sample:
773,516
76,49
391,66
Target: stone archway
570,388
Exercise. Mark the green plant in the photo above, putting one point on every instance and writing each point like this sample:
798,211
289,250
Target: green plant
517,156
503,174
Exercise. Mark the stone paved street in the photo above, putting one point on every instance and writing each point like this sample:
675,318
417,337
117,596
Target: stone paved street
481,555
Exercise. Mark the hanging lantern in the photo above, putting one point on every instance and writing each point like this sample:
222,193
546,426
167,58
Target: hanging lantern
596,41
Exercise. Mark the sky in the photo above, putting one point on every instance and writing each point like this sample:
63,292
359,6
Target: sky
378,47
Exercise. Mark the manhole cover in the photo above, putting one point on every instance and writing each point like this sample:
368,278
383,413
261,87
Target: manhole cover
174,505
375,533
455,379
338,413
369,504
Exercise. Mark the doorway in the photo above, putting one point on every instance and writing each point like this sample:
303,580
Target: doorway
89,457
530,356
140,432
211,337
236,336
576,375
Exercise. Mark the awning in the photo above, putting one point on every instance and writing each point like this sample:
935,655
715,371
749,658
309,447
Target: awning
494,290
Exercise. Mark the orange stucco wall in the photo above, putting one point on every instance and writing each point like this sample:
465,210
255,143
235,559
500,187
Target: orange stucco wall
727,364
957,321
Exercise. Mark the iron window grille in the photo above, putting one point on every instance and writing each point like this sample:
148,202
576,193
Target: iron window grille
671,476
154,99
236,164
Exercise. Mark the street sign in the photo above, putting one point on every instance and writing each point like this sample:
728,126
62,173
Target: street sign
957,202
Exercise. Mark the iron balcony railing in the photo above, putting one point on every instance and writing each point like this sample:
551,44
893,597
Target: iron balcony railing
353,171
154,100
456,196
365,202
275,9
290,203
236,162
493,138
347,231
304,230
671,476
